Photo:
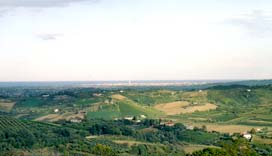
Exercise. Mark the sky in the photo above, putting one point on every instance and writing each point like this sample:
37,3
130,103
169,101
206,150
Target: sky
90,40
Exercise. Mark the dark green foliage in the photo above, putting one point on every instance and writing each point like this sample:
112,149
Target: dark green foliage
155,150
263,149
166,134
209,152
238,147
102,150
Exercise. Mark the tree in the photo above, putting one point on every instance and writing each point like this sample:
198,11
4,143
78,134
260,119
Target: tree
253,131
204,127
239,147
209,152
102,150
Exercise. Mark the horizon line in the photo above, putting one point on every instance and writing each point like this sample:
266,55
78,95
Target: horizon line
41,81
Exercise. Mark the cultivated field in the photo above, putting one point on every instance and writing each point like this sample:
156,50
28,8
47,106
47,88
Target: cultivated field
56,117
193,147
118,97
131,142
230,128
6,106
172,108
182,107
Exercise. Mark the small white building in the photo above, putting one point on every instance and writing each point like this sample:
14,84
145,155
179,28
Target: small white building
169,123
189,127
76,120
128,118
121,91
45,96
97,94
248,90
143,116
56,110
247,136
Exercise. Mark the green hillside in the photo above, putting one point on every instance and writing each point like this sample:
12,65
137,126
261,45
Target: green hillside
123,108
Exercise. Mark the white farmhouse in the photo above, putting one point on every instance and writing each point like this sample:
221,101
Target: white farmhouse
143,116
246,135
45,96
128,118
76,120
189,127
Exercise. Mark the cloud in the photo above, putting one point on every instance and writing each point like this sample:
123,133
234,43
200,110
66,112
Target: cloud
28,3
38,3
49,36
257,23
2,12
8,5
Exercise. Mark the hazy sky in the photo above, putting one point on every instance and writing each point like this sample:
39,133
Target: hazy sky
49,40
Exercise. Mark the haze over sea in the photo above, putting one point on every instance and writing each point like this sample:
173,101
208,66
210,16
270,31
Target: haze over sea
111,83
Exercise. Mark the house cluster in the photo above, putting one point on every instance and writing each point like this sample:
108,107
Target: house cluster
108,101
97,94
167,123
134,118
82,112
79,117
76,120
45,95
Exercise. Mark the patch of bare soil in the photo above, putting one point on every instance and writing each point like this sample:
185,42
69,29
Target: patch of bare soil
118,97
179,107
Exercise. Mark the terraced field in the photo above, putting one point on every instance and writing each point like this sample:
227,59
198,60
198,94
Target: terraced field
7,123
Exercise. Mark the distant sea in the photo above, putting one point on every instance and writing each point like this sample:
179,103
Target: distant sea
109,83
